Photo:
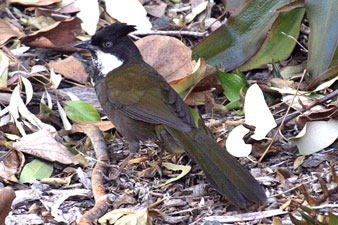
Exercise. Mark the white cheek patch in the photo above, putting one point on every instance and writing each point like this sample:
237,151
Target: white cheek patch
107,62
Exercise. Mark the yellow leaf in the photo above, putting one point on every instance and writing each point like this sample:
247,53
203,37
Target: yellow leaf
185,170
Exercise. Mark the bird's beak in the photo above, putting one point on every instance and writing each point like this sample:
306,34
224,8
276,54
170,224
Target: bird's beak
85,45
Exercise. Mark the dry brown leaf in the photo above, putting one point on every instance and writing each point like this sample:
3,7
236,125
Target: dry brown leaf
138,160
276,221
127,216
11,165
184,171
196,98
282,174
34,2
124,199
209,81
168,55
70,8
102,125
43,145
59,36
185,85
70,68
147,173
302,101
39,22
8,31
285,205
325,114
280,83
298,162
56,182
157,9
7,196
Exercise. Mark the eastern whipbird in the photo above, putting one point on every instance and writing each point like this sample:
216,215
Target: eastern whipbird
143,106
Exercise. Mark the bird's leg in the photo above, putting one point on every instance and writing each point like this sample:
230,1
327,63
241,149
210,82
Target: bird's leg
133,148
162,149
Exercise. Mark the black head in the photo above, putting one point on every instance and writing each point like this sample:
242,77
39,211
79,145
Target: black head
111,47
108,37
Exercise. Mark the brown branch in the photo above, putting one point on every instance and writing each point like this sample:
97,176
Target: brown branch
315,103
171,33
102,200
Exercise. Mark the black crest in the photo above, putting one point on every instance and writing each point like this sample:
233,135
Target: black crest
113,31
120,29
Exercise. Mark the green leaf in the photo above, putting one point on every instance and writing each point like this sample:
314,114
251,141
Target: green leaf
80,111
35,170
308,219
196,116
323,38
278,46
45,109
232,85
242,75
335,58
232,105
333,219
199,124
331,73
291,72
275,71
296,221
291,6
242,36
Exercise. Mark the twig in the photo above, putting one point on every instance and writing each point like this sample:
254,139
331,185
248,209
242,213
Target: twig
282,123
315,103
289,36
171,32
323,206
186,8
296,187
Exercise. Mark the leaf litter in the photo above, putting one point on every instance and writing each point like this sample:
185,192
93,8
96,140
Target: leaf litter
140,192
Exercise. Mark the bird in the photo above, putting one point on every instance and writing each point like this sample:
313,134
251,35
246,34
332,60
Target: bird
143,106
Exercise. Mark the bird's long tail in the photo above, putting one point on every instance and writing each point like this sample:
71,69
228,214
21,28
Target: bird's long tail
223,171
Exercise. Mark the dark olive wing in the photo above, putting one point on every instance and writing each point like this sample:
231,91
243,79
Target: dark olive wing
148,97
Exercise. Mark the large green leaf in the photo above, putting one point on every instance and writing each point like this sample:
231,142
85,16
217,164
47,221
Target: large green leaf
323,40
80,111
277,46
231,5
333,219
242,36
35,170
335,58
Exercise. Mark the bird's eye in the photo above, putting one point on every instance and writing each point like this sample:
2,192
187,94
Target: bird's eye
107,44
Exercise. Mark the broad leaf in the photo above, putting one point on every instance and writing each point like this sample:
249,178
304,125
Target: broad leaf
35,170
242,36
278,46
333,219
80,111
323,38
232,85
